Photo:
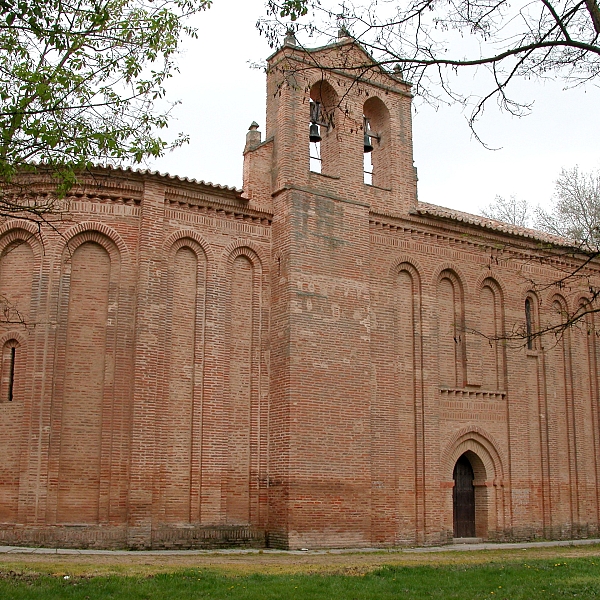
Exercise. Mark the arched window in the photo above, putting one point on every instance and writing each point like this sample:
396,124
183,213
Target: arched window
324,154
376,125
492,327
451,328
530,322
315,137
7,380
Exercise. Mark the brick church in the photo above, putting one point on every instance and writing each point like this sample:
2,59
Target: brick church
318,360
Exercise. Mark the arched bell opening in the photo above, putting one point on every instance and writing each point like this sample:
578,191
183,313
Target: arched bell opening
323,143
469,497
377,138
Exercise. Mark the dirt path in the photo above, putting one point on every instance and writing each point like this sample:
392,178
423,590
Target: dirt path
269,561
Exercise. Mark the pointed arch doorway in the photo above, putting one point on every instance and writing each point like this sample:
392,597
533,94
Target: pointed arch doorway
463,498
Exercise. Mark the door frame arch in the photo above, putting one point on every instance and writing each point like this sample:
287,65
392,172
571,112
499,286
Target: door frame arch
492,496
464,505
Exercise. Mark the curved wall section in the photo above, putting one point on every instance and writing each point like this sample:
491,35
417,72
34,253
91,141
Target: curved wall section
492,329
186,297
451,332
240,389
16,276
81,422
16,273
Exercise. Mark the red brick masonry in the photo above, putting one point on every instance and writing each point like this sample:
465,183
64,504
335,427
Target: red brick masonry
297,365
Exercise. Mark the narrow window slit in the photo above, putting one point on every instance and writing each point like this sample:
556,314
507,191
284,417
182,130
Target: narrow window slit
11,373
7,377
528,324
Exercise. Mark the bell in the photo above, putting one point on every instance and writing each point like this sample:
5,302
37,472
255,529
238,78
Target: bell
368,145
314,135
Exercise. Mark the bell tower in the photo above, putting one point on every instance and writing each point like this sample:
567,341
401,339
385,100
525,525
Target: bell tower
326,109
356,108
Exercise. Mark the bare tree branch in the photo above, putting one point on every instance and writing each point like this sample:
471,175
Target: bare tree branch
528,39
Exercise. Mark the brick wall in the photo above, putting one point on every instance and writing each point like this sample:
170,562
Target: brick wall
298,365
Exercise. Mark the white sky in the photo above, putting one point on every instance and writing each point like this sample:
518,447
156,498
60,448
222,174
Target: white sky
221,95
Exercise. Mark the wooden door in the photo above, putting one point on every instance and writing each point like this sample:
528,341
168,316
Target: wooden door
464,499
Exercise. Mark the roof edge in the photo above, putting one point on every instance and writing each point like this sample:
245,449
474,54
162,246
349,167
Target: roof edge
441,212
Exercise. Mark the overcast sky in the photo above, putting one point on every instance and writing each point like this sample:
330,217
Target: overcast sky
221,95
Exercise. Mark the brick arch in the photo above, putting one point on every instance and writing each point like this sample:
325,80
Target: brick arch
12,335
493,284
582,302
406,342
22,237
92,231
527,292
377,114
248,249
319,77
399,262
457,282
581,299
493,281
400,266
410,269
191,235
492,496
64,411
186,242
96,237
378,97
257,265
451,328
187,286
19,224
492,325
245,310
481,443
19,232
453,273
556,299
30,231
554,319
560,299
550,298
531,328
324,91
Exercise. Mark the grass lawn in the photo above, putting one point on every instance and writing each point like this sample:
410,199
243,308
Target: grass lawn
563,577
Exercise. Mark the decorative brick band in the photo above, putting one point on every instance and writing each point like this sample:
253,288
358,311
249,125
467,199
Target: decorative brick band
462,394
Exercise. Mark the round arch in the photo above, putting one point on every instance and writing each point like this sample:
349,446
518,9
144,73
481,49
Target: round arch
100,233
477,447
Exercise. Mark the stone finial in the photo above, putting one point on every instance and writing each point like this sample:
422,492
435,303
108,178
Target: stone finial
253,137
343,33
290,38
398,71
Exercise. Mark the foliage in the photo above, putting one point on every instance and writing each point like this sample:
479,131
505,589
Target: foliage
572,218
80,81
509,210
431,39
574,212
524,580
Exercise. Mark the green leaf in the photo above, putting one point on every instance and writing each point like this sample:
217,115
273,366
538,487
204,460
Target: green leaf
79,81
